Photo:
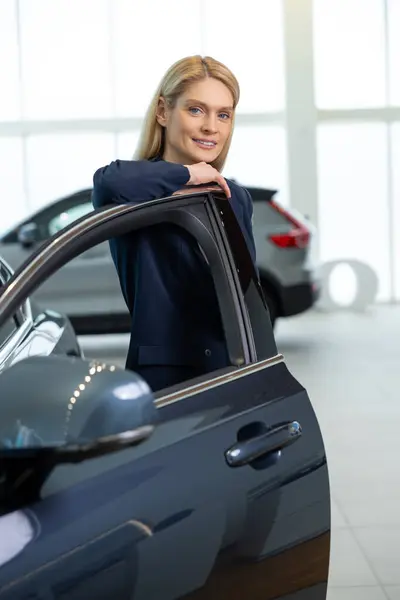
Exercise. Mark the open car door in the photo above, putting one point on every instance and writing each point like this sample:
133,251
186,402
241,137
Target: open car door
229,498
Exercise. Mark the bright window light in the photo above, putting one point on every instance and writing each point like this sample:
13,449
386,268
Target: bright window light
349,46
353,196
65,50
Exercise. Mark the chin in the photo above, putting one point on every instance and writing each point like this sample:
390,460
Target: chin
206,156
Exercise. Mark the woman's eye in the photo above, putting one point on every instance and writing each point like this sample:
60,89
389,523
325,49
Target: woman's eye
224,116
194,110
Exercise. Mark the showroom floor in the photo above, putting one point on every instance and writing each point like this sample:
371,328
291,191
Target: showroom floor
350,364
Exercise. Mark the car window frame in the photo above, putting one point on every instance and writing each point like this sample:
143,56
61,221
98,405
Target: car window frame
103,224
248,280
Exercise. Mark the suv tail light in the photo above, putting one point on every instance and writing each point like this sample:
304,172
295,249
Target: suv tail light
297,237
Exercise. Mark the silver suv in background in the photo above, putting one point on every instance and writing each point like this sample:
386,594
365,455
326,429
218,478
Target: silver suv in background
285,243
87,288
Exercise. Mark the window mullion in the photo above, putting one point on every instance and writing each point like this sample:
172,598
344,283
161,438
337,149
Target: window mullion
301,114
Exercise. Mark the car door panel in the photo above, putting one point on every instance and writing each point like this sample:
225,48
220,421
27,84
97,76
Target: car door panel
178,536
206,529
109,570
270,395
216,519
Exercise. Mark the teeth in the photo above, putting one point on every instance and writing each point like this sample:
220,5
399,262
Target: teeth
205,143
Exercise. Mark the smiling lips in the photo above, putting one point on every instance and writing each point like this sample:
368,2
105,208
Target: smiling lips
206,144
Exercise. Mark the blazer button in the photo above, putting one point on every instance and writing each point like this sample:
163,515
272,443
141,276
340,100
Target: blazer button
207,352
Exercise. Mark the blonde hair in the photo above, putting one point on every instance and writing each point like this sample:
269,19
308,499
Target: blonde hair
174,83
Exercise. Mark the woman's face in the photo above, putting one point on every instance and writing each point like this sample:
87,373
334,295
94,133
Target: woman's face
198,127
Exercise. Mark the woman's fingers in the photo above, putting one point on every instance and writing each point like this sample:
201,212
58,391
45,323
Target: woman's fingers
204,173
222,182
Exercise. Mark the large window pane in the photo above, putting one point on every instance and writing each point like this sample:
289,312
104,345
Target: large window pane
65,59
148,36
394,50
60,164
126,144
353,197
349,44
12,195
258,158
248,38
9,74
395,162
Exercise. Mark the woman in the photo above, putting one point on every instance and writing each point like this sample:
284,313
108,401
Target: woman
176,331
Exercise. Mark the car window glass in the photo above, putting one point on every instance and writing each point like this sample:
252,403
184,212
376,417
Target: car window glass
192,304
88,285
68,216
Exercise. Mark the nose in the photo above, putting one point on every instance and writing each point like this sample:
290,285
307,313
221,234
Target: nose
210,124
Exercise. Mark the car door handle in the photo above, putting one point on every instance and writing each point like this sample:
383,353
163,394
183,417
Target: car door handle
244,452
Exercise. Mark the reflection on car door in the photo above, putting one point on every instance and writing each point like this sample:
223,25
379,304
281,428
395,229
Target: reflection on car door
228,499
40,334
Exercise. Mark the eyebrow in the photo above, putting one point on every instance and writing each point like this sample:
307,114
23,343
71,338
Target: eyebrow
194,101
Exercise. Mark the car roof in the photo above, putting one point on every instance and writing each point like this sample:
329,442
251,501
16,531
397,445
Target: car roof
261,194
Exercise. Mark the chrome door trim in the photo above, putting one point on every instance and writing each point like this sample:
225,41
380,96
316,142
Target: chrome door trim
217,381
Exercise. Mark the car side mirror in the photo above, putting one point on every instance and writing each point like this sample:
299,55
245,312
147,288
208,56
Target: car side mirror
58,410
28,235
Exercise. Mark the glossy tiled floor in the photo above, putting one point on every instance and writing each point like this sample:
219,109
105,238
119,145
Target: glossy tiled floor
350,364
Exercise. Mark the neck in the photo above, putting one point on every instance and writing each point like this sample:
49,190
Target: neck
170,155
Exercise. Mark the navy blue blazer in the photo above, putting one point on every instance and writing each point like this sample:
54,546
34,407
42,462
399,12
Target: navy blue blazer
176,328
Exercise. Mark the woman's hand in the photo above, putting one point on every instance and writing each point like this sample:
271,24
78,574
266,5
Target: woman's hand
204,173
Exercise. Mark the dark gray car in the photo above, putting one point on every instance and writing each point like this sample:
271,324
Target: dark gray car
216,488
88,289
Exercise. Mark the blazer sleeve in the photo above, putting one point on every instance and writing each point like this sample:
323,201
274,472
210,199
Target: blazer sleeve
124,181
